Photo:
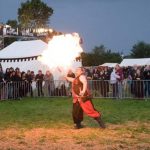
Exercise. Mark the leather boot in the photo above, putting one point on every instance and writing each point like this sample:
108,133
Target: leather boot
78,126
100,122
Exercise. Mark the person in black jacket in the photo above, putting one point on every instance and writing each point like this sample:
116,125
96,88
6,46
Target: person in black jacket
8,83
39,80
29,79
2,81
146,77
18,83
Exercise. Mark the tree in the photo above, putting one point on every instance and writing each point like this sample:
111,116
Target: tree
98,50
12,23
34,14
112,57
140,50
98,56
86,59
9,40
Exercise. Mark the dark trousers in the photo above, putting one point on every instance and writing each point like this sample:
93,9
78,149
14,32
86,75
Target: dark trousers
40,88
77,113
115,90
147,88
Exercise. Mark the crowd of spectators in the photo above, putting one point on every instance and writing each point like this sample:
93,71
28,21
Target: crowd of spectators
15,84
130,80
118,81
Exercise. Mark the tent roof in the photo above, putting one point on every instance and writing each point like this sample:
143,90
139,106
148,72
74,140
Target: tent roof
109,64
132,62
20,49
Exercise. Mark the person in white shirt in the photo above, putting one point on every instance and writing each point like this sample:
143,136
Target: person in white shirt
114,83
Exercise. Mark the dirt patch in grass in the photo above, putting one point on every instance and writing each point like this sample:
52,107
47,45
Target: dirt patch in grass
115,137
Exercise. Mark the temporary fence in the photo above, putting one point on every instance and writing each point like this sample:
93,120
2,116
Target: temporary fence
127,89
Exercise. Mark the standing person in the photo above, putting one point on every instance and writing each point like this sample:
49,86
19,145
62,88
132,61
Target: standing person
13,82
18,82
39,81
119,72
24,85
138,84
103,83
29,82
8,83
113,81
146,77
81,100
49,83
2,81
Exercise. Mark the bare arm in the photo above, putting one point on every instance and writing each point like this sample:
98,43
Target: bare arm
84,81
70,79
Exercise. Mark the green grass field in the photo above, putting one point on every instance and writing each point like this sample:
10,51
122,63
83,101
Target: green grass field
131,117
54,112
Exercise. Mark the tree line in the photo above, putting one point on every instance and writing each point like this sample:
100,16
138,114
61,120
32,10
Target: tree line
100,54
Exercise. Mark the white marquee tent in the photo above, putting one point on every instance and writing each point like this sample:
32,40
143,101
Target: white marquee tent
24,54
109,65
138,62
21,49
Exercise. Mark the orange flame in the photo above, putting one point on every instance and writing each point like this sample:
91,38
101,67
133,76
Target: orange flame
62,50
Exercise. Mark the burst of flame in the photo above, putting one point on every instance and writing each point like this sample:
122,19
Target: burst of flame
62,50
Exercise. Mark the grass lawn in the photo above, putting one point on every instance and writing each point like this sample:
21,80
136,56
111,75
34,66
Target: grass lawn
46,123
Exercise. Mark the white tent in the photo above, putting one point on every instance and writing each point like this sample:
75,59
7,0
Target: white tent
109,65
138,62
24,54
21,49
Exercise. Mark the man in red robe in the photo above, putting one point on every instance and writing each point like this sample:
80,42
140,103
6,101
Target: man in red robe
82,100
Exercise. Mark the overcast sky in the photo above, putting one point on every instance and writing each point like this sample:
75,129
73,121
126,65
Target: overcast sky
117,24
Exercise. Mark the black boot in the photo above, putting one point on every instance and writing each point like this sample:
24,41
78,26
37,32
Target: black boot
78,126
100,122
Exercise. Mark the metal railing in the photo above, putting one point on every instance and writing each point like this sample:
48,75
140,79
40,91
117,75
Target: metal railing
127,89
131,89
